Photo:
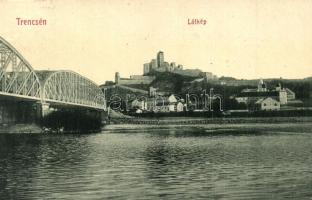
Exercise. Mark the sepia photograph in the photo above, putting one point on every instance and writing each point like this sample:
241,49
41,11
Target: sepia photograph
142,99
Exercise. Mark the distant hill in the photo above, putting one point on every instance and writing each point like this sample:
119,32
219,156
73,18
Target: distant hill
308,78
226,78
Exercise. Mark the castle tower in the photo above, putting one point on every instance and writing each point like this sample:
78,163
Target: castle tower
160,58
146,68
153,64
172,66
117,77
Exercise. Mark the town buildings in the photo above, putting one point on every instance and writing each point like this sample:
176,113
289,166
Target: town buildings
157,104
261,98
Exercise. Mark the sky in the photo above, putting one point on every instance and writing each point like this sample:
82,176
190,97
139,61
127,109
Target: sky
96,38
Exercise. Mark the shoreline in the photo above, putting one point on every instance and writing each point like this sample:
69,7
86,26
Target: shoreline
33,128
178,122
214,128
21,129
209,126
198,121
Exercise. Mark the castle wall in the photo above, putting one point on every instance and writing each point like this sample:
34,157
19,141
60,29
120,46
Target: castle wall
161,69
153,64
146,68
141,77
189,72
136,79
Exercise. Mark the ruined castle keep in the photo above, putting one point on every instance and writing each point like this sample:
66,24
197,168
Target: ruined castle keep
160,65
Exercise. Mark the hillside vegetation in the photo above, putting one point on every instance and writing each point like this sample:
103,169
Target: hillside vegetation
172,83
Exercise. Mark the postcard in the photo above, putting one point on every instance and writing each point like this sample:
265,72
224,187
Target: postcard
141,99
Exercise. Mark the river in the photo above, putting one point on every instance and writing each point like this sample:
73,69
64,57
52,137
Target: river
263,161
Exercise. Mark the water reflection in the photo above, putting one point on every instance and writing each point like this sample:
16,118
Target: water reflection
29,162
166,163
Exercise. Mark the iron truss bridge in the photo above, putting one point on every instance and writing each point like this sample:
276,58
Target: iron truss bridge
18,79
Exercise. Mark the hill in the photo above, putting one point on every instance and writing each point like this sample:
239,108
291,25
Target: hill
173,83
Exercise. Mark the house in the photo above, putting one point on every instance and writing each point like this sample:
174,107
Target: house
267,104
290,94
172,99
138,111
283,95
180,107
162,107
138,104
167,104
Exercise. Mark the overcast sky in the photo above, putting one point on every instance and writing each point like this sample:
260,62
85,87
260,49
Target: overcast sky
243,39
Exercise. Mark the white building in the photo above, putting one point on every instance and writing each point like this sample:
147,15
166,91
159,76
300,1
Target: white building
167,104
179,107
267,104
137,104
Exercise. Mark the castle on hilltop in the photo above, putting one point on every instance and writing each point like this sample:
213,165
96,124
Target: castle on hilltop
160,65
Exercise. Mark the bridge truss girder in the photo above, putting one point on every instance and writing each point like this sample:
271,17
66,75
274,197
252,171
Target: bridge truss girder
74,89
17,77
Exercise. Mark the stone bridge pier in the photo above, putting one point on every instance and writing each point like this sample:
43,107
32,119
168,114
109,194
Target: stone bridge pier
18,112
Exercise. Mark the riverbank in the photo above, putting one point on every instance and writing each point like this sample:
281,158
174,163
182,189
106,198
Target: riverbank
178,122
197,121
20,128
214,129
36,129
